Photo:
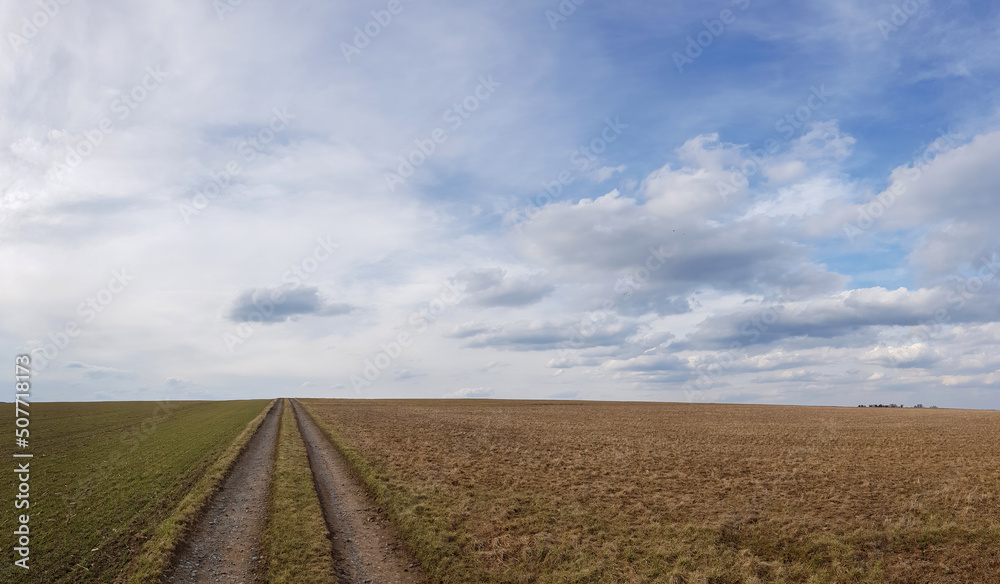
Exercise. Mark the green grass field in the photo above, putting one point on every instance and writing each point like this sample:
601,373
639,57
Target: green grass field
104,477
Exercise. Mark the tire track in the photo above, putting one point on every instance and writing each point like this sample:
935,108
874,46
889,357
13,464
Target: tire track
225,545
365,547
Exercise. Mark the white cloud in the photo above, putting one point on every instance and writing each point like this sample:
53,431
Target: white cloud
469,392
915,355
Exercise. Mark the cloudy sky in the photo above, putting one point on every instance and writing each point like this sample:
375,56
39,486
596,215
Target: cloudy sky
727,201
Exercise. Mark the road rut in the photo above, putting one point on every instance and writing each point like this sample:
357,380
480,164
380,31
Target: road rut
366,548
225,545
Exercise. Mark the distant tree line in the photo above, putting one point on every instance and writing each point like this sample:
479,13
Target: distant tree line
892,406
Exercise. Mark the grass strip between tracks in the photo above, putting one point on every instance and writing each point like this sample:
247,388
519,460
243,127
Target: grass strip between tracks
297,548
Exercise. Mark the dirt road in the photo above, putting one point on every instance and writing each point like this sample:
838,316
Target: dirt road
226,544
366,548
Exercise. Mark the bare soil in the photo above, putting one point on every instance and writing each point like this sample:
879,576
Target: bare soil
367,549
225,546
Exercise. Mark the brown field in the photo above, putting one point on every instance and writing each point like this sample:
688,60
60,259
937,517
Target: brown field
499,491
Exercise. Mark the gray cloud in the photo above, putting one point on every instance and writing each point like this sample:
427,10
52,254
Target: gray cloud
492,287
649,363
470,329
100,372
846,313
540,335
281,303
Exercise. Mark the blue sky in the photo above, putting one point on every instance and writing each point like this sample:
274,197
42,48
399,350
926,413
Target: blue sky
208,200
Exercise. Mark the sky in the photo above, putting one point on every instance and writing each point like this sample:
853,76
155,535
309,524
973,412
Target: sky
729,201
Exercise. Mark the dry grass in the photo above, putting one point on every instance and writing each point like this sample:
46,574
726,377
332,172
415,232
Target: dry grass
488,491
295,541
154,558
